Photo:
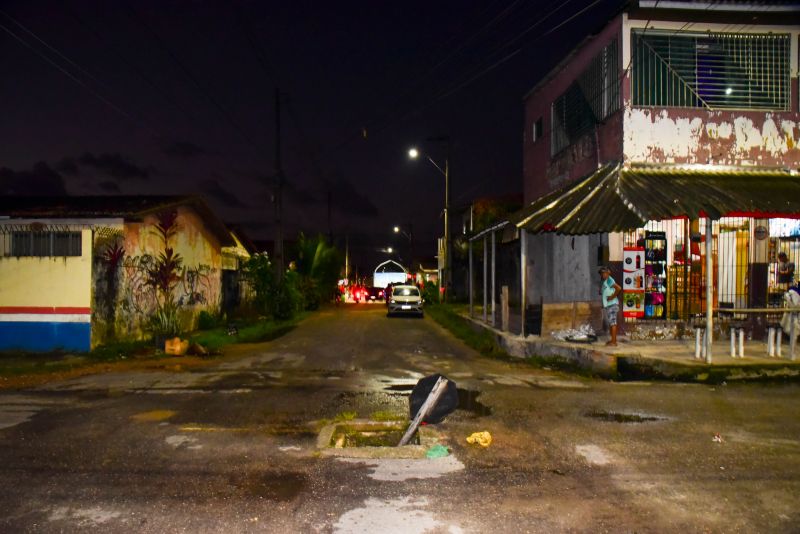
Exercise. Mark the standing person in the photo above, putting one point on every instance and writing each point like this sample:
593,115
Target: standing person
785,269
609,292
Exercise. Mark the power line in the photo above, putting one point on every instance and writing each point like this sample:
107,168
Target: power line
132,13
131,65
80,82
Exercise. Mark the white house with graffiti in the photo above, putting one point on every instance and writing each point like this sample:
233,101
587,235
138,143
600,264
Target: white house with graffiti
76,272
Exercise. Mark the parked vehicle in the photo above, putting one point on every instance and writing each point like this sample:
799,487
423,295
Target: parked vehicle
373,294
405,299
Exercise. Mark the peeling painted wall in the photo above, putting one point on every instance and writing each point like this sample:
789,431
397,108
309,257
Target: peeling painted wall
198,287
689,136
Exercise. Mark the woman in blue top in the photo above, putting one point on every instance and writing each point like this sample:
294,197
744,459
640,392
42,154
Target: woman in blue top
610,291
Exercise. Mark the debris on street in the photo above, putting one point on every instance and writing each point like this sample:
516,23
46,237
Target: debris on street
437,451
484,439
584,333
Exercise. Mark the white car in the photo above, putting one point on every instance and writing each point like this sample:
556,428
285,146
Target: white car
405,299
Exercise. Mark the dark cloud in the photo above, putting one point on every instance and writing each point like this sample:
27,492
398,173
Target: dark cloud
346,198
213,189
116,166
184,150
109,186
67,166
39,181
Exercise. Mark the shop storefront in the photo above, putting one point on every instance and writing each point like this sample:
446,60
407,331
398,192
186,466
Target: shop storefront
664,265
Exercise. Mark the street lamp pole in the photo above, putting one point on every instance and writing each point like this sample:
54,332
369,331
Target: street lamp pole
446,282
410,236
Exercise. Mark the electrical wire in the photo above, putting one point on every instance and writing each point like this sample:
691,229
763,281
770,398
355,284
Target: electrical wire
217,105
80,82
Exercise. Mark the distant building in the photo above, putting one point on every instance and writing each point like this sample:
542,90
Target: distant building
79,271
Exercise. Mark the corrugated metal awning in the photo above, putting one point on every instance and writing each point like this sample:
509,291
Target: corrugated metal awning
613,199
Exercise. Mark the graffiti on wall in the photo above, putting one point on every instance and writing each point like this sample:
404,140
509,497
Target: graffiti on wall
130,289
196,286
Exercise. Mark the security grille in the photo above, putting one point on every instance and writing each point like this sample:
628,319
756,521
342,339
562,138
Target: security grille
588,100
42,244
711,70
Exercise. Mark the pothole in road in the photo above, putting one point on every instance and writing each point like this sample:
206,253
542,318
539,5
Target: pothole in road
467,399
273,486
621,417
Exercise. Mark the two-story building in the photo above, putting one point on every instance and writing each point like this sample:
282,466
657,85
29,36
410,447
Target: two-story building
667,140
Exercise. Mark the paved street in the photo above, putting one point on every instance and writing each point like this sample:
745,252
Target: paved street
233,448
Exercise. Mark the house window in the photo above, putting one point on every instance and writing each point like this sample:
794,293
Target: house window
45,244
536,130
711,70
588,101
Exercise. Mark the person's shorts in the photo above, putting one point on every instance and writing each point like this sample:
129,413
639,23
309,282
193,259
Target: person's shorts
610,313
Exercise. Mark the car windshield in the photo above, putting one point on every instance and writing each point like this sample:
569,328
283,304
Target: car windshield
406,291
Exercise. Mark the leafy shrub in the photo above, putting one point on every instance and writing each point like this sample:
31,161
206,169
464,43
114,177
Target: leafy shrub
165,322
287,300
206,321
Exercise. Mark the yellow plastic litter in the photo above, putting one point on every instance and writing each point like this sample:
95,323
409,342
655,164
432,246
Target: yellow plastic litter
484,439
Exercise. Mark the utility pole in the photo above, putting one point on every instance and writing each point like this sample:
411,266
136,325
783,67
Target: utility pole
278,252
330,226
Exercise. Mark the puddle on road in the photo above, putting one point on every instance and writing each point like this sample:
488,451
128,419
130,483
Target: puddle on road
273,486
620,417
467,399
153,415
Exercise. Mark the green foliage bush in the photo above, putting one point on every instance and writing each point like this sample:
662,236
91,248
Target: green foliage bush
206,321
430,293
287,298
164,321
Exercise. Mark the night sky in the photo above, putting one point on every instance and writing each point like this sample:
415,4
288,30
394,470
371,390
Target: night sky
132,97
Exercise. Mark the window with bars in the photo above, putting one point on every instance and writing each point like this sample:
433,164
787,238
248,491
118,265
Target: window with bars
588,100
711,70
44,244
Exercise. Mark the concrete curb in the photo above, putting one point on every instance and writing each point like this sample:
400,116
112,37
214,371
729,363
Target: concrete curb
632,365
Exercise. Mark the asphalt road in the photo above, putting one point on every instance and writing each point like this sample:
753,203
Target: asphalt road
233,448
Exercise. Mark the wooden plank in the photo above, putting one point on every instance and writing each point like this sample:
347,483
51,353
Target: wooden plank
430,402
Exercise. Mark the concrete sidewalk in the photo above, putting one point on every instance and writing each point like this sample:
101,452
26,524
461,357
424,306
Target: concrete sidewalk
652,359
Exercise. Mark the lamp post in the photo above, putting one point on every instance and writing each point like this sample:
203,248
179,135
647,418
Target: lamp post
445,282
410,236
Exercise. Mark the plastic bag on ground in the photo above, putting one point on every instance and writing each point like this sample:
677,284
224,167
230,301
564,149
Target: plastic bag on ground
484,439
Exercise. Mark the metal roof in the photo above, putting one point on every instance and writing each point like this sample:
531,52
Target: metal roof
613,199
128,207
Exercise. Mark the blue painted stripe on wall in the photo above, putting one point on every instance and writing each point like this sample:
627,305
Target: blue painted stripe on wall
42,337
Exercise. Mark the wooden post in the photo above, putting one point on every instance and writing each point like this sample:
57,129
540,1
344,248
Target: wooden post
504,308
470,280
494,292
523,290
485,266
430,402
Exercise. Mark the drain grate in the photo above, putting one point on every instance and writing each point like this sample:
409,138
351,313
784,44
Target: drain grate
621,417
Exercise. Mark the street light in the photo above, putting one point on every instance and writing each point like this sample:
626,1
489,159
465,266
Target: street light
410,236
445,281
